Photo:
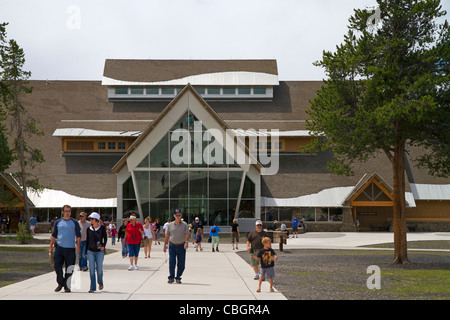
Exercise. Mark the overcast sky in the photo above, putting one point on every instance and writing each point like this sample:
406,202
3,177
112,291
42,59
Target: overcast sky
70,40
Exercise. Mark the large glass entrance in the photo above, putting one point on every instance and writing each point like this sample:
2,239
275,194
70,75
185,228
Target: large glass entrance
187,170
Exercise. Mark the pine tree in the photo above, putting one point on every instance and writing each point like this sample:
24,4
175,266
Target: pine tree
387,90
15,84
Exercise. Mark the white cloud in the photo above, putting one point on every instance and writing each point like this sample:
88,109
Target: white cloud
295,32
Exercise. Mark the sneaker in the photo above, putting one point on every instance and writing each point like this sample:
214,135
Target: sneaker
130,268
212,249
217,249
196,249
256,276
66,289
136,267
178,280
170,280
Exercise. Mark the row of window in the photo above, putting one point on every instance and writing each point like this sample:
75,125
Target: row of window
204,91
111,145
269,145
309,214
93,145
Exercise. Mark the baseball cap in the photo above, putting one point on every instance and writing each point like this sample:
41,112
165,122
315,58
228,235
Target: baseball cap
196,218
176,211
94,215
132,217
258,222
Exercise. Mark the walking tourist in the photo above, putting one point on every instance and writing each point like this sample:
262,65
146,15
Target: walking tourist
235,233
214,234
149,235
254,244
177,236
67,235
267,256
133,235
122,238
96,238
84,225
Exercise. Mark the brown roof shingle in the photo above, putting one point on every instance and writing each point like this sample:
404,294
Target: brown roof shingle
163,70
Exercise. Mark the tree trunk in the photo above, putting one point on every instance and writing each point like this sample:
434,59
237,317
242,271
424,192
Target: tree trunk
400,241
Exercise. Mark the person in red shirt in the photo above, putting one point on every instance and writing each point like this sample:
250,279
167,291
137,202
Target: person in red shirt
133,234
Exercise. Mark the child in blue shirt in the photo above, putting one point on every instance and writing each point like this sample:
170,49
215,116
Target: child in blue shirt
214,234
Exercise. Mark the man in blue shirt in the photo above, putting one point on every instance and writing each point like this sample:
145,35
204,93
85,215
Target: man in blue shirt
33,222
295,223
66,233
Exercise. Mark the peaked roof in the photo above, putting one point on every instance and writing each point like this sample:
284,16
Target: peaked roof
188,88
164,70
365,180
13,185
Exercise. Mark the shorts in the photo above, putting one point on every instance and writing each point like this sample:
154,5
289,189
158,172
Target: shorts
255,262
133,250
147,241
234,237
268,273
294,229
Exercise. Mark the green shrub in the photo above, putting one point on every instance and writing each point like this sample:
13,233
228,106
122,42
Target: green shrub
23,235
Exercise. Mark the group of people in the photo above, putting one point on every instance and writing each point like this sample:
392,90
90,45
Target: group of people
88,239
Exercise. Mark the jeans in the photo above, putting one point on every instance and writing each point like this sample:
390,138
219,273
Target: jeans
124,247
96,264
82,260
61,257
177,256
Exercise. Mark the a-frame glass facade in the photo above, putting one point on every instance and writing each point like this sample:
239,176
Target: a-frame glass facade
188,169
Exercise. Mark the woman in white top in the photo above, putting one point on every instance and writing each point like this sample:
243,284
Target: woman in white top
149,235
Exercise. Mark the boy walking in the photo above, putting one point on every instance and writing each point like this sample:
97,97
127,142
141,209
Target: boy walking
267,256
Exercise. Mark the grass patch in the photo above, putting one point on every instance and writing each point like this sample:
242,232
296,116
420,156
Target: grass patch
419,283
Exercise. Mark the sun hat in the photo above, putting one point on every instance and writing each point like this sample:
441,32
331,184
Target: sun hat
94,215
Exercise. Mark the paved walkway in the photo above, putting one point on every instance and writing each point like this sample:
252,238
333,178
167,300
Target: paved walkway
208,276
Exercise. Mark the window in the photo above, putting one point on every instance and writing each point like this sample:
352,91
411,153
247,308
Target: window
167,90
278,145
309,214
111,145
121,91
154,91
137,90
121,145
243,90
200,90
101,145
258,145
214,91
259,90
229,90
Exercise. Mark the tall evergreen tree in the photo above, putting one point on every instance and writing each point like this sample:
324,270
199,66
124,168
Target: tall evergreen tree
387,90
6,156
15,84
